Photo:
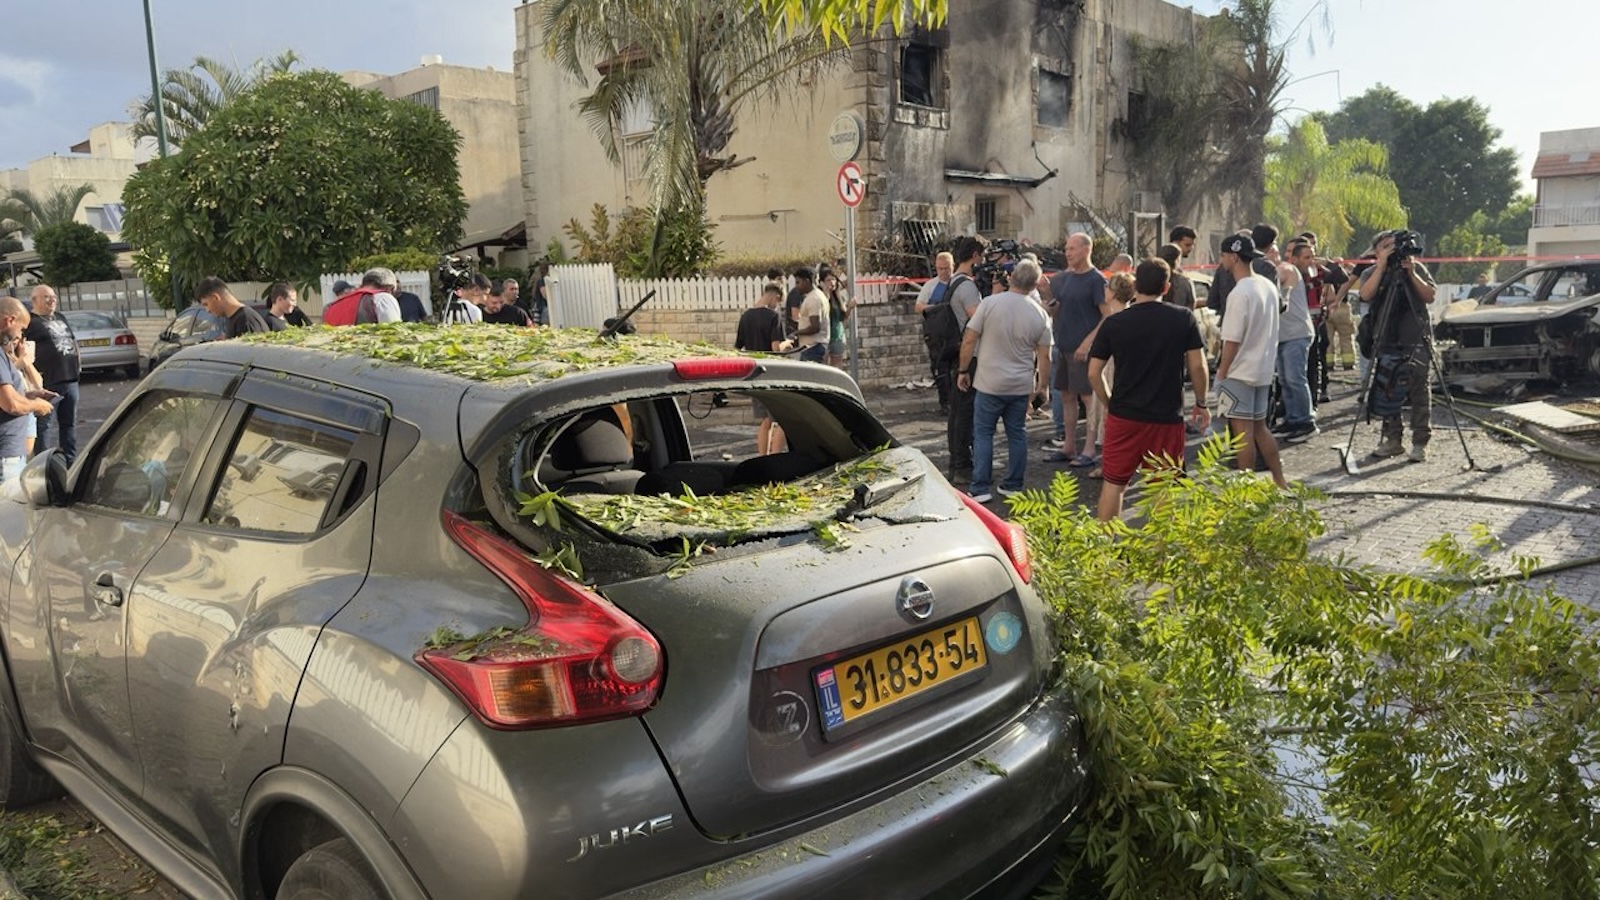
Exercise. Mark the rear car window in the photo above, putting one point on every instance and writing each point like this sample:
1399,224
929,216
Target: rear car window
659,471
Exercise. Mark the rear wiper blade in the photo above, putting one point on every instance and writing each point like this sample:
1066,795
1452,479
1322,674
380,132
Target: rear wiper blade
868,495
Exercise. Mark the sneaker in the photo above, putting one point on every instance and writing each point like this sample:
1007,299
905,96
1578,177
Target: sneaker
1389,446
1300,434
1280,429
1007,492
1055,443
960,477
981,496
1419,453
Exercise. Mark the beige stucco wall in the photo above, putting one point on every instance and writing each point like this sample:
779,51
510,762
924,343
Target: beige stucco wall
481,105
112,160
785,200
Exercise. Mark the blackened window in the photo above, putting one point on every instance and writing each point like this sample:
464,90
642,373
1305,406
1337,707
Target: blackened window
985,214
1138,115
1055,98
919,74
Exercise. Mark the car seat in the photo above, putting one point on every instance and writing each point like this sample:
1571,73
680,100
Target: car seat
592,454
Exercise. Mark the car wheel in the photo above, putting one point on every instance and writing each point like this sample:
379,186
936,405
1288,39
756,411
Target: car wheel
332,871
134,371
22,782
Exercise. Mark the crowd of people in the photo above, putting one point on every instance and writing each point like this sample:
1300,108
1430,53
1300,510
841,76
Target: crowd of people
1115,350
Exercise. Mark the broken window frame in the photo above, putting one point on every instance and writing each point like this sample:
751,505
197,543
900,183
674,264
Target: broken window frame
1049,76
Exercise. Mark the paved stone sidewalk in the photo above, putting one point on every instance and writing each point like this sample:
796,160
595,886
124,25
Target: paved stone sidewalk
1535,504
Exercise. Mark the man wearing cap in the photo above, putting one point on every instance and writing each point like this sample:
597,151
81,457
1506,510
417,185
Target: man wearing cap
1402,351
1249,355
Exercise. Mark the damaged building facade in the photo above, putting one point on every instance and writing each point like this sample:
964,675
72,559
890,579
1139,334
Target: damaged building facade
1010,121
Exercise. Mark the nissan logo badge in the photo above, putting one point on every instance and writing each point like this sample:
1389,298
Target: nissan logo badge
915,597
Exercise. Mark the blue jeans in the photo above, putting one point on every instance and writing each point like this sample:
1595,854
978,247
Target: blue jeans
986,410
1292,356
815,353
65,418
1058,415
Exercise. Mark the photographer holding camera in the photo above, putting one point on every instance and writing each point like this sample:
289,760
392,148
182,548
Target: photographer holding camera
1397,290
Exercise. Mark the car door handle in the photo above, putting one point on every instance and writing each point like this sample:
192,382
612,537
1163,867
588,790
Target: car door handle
106,593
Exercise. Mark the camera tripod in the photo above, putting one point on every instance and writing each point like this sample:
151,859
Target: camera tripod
1393,294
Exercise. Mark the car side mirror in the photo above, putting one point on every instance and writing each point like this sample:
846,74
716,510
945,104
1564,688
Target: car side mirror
44,479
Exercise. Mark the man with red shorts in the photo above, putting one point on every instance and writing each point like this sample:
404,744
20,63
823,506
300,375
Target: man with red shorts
1152,342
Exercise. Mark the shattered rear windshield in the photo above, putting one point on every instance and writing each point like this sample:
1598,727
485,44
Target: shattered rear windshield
664,470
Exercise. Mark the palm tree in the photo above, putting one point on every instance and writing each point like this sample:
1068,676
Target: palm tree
837,18
1329,188
21,211
192,96
693,64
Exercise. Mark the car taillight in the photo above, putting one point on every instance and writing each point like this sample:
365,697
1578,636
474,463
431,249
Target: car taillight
1013,539
123,340
579,658
714,367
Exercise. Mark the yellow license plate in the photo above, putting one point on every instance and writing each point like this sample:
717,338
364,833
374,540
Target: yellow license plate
862,685
95,342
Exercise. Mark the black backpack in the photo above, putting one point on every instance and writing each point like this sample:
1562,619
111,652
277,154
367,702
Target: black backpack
941,329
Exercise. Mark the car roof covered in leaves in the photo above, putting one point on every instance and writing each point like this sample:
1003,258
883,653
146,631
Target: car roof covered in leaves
488,353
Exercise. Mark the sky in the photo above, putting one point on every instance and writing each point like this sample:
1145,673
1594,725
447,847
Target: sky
87,61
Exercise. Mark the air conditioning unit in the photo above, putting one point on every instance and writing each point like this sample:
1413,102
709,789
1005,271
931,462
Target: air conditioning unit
1145,201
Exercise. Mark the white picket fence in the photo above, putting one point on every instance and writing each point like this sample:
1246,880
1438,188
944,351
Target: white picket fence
582,296
415,281
586,295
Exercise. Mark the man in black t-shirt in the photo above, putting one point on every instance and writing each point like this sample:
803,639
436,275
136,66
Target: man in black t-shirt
496,311
1151,343
760,330
55,350
237,319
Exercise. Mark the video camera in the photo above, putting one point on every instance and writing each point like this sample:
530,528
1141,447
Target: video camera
455,273
1406,243
998,260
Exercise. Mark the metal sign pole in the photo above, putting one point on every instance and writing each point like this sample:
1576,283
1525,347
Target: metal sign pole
850,270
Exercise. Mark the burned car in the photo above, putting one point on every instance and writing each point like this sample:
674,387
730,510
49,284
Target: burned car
1509,338
407,611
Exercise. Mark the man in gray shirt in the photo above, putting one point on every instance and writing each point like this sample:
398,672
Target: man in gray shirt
1010,337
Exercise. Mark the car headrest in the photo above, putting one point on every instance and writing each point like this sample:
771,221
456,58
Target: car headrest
594,442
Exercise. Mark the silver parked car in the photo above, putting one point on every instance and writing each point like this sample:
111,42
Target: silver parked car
104,341
400,611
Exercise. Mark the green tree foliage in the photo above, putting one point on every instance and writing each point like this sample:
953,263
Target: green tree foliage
642,244
71,252
22,210
300,175
1264,722
190,97
1474,237
1209,106
1511,225
838,19
1328,188
1442,157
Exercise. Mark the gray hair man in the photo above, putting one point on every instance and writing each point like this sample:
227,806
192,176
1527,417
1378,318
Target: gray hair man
1010,336
383,300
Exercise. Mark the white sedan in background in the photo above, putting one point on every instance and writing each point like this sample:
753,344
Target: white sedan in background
104,341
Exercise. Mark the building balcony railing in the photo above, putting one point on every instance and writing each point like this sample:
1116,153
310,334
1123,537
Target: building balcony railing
1546,216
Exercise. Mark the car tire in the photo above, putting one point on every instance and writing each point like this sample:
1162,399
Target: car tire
22,782
134,370
332,871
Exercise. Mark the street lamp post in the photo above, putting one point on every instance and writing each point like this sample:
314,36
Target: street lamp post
161,130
